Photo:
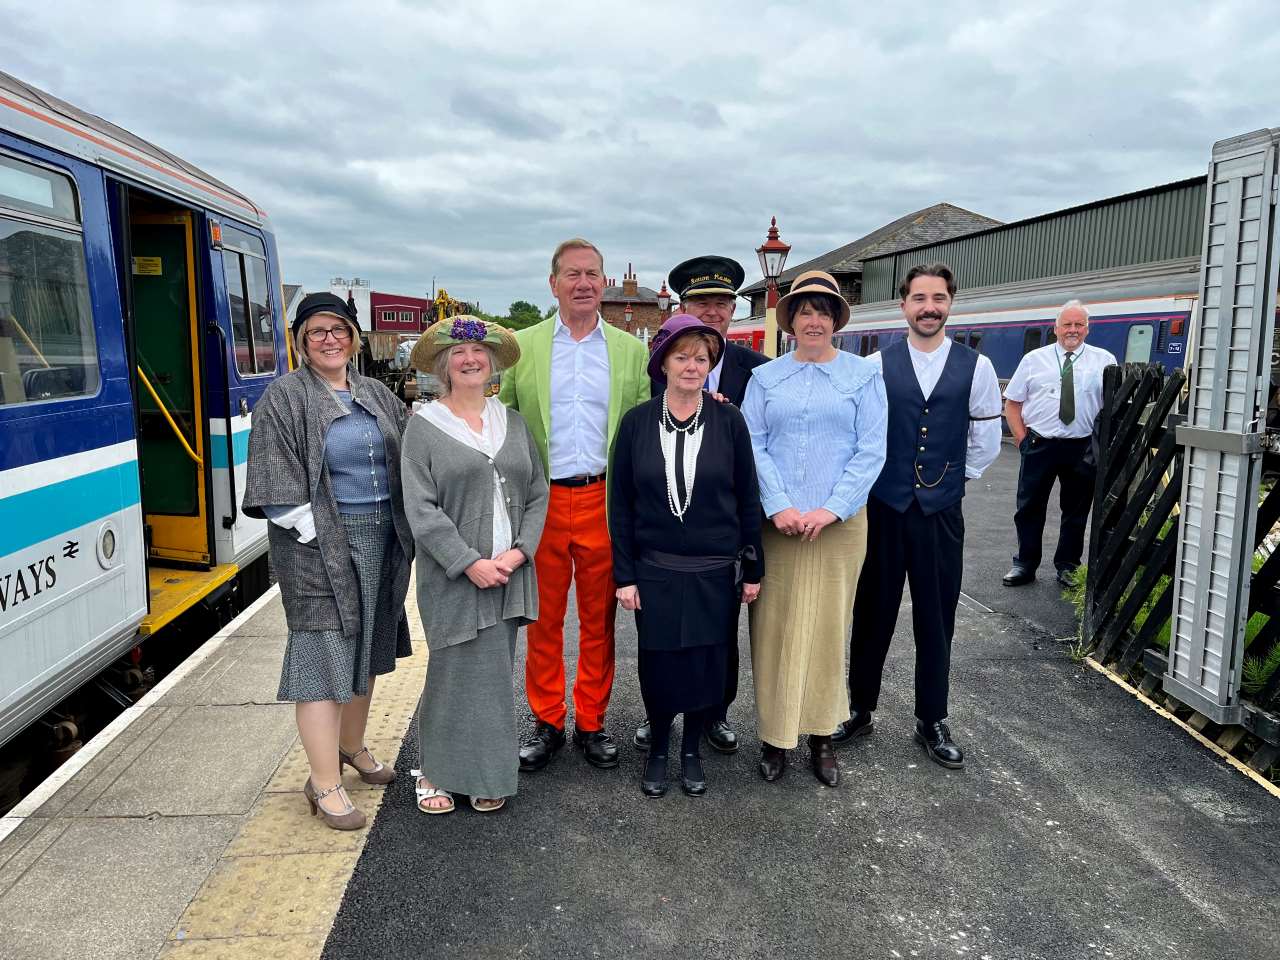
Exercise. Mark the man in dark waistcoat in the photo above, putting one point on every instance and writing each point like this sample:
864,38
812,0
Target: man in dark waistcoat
708,289
944,429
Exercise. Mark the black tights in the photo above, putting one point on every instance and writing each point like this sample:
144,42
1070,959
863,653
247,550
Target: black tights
694,724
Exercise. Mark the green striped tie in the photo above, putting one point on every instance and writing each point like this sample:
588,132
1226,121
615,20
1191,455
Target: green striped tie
1067,398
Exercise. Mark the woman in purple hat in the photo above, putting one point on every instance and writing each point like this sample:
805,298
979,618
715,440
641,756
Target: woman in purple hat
684,517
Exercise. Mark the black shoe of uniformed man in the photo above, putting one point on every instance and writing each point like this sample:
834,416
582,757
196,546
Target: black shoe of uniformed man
643,737
1067,576
537,751
1018,576
859,724
597,746
937,743
721,737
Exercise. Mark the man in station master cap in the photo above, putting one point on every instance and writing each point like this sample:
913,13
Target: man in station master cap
708,289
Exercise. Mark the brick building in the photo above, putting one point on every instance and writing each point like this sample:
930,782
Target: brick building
645,313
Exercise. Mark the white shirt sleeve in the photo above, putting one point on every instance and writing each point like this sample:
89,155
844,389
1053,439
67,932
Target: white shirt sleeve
984,434
296,518
1016,388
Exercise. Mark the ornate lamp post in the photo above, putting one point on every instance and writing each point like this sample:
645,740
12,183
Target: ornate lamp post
664,302
773,256
626,317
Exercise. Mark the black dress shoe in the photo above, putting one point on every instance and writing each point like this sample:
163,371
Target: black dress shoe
822,758
937,743
653,783
773,762
1018,576
692,779
537,751
1067,577
643,737
859,724
721,737
597,746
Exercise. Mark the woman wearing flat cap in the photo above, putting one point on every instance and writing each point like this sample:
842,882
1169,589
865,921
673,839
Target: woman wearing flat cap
476,497
324,468
684,518
817,418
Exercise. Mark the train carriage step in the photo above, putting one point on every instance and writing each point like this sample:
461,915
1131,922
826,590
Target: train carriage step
174,592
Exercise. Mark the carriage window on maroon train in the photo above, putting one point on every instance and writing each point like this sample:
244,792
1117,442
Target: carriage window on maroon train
1031,339
1137,347
47,346
244,264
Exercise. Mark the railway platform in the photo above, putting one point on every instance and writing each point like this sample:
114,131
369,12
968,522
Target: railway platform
1083,825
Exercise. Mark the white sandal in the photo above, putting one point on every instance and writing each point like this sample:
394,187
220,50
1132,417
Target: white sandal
429,793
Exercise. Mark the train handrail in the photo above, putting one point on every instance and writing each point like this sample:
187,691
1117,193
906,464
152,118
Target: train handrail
14,322
168,418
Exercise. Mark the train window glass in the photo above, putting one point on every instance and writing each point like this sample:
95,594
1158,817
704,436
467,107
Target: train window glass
975,340
260,328
244,265
33,189
1031,339
232,266
1137,348
873,344
47,346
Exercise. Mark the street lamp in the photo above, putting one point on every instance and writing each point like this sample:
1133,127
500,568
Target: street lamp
664,300
626,318
773,256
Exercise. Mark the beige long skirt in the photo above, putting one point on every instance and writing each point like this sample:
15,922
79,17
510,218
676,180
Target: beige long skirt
800,630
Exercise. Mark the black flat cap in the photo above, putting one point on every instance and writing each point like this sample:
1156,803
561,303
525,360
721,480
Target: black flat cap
314,303
704,276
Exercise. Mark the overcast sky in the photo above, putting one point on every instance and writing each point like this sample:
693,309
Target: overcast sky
401,141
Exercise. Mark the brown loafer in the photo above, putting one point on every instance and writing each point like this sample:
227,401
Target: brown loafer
822,758
378,774
773,762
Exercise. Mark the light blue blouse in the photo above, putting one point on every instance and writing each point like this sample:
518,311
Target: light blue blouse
817,431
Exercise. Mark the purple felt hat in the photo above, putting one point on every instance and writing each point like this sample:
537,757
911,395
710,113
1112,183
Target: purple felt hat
668,333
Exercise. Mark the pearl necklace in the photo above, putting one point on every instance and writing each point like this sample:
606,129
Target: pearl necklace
667,431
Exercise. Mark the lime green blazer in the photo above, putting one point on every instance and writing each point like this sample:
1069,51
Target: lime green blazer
526,387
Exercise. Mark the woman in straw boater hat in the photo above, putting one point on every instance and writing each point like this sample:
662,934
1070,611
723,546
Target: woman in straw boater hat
684,518
817,418
324,467
476,498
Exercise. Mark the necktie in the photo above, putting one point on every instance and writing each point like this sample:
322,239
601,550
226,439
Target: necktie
1067,396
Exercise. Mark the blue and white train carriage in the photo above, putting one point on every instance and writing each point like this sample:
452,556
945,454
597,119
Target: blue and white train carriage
140,321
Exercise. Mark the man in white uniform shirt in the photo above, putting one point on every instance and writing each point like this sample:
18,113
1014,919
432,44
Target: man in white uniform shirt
1051,403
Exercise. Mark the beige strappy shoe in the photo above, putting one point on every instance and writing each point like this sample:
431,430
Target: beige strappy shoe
348,819
379,776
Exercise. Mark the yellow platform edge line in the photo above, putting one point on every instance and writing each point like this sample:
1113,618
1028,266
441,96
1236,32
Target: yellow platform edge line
197,584
1244,768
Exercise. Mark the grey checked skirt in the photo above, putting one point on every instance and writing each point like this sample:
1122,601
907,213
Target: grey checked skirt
322,664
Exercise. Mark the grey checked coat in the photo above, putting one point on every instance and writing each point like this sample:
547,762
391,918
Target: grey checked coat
287,468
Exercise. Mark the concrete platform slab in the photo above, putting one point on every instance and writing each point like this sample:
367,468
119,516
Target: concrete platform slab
246,670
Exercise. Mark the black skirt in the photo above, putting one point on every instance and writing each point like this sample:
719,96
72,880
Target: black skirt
683,681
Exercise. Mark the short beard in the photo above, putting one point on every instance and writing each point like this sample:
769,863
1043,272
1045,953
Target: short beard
913,324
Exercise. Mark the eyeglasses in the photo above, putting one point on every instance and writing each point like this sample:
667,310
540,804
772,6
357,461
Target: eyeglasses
341,334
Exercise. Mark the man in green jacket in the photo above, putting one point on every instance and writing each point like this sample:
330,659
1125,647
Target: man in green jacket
576,377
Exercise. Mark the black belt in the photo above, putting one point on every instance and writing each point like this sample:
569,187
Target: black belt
581,480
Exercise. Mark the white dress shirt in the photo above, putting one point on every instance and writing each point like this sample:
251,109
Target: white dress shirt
492,435
1037,385
713,378
983,444
579,441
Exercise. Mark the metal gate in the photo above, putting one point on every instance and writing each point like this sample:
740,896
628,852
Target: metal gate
1224,432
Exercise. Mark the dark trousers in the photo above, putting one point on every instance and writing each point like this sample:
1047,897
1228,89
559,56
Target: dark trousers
731,678
1070,463
925,551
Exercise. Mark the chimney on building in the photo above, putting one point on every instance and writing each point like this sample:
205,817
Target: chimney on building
629,286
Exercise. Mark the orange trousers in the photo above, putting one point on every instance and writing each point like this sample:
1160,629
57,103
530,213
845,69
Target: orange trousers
574,547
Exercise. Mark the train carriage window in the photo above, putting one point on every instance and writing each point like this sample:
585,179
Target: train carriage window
245,265
47,345
1031,339
975,340
872,344
1137,348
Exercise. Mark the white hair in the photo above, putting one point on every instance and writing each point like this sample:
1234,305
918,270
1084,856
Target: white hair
1074,304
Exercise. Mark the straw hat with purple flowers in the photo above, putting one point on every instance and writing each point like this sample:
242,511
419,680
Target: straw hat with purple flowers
464,328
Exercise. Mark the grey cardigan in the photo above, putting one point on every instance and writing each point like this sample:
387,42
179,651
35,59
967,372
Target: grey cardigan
286,467
448,498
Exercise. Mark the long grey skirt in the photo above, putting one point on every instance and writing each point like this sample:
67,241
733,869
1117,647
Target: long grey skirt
322,664
467,716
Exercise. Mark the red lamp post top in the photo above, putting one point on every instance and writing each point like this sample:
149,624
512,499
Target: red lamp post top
773,256
664,298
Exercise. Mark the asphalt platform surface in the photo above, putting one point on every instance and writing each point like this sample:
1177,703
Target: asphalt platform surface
1083,825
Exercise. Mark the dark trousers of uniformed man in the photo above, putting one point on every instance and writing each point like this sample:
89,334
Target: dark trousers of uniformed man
925,551
1069,463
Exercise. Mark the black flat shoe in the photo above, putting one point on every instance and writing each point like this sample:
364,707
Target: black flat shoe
537,751
937,743
1018,576
773,762
653,783
822,759
721,737
859,724
643,737
692,779
597,746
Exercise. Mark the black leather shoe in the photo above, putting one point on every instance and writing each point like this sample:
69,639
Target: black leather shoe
537,751
653,783
643,737
1067,577
692,779
822,759
773,762
1018,576
721,737
597,746
937,743
859,724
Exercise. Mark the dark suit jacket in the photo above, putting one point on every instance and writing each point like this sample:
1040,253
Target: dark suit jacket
739,361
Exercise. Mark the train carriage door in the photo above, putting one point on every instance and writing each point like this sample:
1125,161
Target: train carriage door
1138,343
170,408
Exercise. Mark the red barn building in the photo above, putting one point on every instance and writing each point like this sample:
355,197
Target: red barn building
396,313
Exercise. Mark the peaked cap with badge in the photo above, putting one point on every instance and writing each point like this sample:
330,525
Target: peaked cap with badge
707,276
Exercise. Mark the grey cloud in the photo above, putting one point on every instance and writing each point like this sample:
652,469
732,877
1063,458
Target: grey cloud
502,114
